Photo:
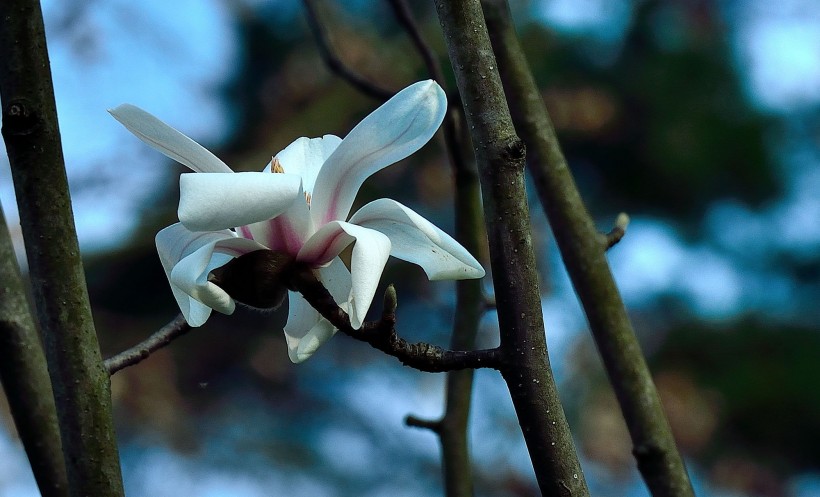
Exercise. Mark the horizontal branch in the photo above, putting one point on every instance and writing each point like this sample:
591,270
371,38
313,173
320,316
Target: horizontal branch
141,351
382,334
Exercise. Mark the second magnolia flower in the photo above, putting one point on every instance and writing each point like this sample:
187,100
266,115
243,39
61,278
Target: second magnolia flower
300,209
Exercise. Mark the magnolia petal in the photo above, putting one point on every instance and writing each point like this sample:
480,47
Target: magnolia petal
188,257
305,157
392,132
288,231
417,240
218,201
306,330
367,261
167,140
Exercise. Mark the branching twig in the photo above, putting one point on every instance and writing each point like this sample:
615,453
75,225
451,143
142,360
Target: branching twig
617,232
335,64
425,424
382,334
162,337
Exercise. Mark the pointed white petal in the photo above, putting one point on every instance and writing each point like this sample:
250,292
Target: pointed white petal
417,240
367,262
392,132
305,157
306,329
188,257
167,140
218,201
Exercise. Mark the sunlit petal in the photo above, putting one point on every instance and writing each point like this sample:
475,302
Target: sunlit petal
367,261
218,201
392,132
417,240
305,157
188,257
306,330
167,140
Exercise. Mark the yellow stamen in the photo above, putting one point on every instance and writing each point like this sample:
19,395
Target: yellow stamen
276,166
307,197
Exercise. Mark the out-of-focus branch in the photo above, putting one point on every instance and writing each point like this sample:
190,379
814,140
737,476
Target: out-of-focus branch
583,253
334,63
24,375
382,334
162,337
30,129
500,158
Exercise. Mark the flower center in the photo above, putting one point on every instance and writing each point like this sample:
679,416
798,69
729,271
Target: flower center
276,167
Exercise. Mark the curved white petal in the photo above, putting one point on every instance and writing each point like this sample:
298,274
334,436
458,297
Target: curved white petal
216,201
306,330
167,140
367,262
305,157
392,132
288,231
188,257
417,240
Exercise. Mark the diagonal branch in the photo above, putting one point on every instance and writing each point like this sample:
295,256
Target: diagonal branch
162,337
382,334
335,64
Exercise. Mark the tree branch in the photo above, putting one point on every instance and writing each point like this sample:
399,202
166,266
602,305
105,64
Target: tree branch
30,129
577,238
382,334
138,353
500,157
452,427
335,64
24,375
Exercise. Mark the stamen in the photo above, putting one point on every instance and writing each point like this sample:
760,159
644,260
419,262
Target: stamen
276,166
307,198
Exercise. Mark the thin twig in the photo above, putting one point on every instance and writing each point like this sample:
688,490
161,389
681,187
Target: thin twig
617,232
382,334
433,425
335,64
162,337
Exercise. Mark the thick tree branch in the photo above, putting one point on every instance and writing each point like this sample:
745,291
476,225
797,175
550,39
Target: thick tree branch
24,375
382,334
583,253
80,382
136,354
335,64
500,157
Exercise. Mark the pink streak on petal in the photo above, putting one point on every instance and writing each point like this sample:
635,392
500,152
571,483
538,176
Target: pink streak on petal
245,232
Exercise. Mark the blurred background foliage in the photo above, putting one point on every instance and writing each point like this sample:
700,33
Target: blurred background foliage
656,107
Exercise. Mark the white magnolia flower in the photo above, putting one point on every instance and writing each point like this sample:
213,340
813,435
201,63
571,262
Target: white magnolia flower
303,212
